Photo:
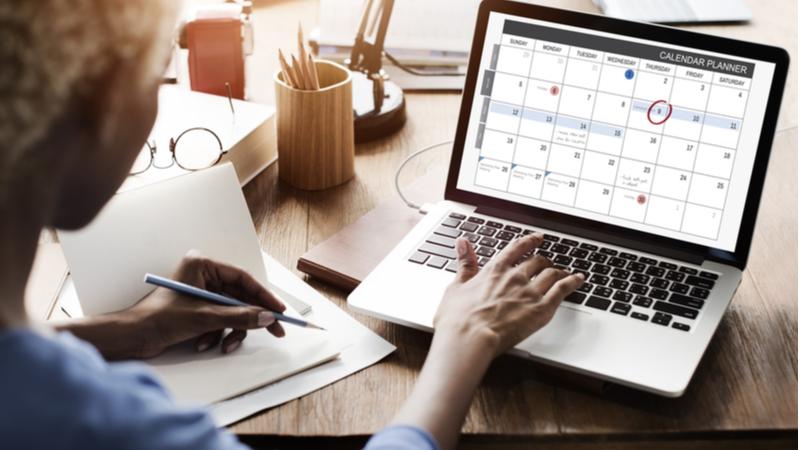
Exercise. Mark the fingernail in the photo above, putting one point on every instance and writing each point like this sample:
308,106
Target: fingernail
581,276
461,246
265,319
203,347
538,235
233,347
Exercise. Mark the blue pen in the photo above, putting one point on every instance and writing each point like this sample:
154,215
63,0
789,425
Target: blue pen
218,299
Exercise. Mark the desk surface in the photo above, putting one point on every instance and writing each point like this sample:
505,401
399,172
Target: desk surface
744,388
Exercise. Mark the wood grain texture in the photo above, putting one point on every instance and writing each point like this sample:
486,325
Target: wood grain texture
315,130
744,393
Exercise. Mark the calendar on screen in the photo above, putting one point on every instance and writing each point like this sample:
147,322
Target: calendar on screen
627,132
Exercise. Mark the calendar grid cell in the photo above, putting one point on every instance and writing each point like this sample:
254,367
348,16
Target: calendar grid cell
658,151
522,109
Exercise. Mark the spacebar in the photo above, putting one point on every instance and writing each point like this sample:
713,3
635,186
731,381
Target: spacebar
438,250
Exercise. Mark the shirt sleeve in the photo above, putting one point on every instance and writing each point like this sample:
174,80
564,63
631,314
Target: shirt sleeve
402,437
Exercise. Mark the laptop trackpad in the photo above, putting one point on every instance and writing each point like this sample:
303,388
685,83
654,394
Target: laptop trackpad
571,332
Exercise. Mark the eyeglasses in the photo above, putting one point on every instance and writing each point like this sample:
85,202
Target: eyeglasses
194,149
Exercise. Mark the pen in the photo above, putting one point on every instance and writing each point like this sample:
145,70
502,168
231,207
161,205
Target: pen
218,299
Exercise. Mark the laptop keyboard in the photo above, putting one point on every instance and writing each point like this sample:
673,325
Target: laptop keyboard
618,282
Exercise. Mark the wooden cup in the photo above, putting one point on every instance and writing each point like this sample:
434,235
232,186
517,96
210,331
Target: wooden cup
315,130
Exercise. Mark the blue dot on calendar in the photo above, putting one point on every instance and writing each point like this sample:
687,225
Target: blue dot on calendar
629,74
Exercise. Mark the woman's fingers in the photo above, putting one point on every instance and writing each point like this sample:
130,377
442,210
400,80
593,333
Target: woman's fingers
534,265
467,261
511,255
563,288
207,340
233,340
546,279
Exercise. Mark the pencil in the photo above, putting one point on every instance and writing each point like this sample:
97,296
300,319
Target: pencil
292,76
309,81
298,71
301,54
285,70
202,294
313,69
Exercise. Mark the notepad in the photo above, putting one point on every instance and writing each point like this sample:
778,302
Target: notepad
150,229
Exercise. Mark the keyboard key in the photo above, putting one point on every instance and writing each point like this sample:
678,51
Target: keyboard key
621,308
544,253
562,267
575,297
659,283
644,302
699,293
639,289
545,245
578,253
636,267
486,231
688,270
619,284
686,301
502,245
586,274
608,251
679,311
582,264
656,271
441,240
668,266
558,248
419,258
477,220
647,260
569,242
494,224
620,273
562,259
599,303
590,247
458,216
452,223
662,319
599,279
639,278
597,257
438,250
622,296
483,261
472,238
617,262
527,232
601,269
602,291
485,251
505,235
550,237
680,326
489,242
452,267
513,229
470,227
659,294
448,232
709,275
629,256
437,262
640,316
679,288
675,276
700,282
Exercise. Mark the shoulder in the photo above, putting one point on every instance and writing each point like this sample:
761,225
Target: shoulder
58,392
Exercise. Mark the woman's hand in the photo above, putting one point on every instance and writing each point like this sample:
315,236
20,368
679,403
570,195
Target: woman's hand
504,303
164,318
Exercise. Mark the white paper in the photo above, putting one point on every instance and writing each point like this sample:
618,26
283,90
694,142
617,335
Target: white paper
360,348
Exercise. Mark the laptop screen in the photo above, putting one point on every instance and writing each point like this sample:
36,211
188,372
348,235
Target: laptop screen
629,132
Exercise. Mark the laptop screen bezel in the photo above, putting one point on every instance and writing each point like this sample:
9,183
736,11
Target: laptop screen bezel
657,33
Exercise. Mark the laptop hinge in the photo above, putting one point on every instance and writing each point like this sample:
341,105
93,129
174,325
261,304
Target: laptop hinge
667,252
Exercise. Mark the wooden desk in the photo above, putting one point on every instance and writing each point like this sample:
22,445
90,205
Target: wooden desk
744,390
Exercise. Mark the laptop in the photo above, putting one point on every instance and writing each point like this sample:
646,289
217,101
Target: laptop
638,150
676,11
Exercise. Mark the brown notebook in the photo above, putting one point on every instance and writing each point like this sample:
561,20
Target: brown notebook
350,255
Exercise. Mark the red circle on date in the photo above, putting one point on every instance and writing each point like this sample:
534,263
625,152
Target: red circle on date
554,90
641,199
651,109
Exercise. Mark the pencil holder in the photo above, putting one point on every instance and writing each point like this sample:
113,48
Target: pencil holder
315,130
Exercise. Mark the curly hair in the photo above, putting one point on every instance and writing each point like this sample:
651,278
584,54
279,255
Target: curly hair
51,50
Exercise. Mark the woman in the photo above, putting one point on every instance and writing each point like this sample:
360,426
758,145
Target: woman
78,96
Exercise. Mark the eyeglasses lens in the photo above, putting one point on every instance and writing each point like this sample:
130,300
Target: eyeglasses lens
142,162
197,149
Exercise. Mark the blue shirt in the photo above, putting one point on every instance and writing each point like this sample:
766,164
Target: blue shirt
59,393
